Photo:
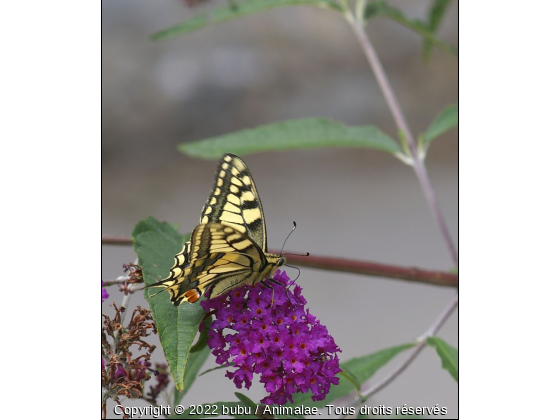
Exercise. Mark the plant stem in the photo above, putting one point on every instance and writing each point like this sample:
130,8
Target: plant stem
113,282
426,184
414,274
383,81
440,278
431,331
400,121
115,240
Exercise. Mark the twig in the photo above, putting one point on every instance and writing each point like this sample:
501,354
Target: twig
382,79
131,289
422,175
115,240
113,282
417,161
414,274
421,343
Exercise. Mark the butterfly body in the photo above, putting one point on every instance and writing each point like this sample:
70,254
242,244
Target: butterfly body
228,248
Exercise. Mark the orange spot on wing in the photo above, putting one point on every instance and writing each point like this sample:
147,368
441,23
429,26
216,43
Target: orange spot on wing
192,295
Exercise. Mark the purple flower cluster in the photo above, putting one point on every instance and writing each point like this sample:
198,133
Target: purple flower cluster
276,338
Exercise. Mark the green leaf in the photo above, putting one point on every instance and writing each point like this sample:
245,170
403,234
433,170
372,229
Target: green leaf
155,244
434,19
446,120
196,360
449,356
361,368
203,337
243,8
246,400
213,410
380,8
353,380
309,133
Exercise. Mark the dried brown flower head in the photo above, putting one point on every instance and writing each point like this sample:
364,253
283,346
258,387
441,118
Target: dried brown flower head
122,373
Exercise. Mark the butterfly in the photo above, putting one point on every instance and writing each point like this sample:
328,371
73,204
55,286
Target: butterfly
228,248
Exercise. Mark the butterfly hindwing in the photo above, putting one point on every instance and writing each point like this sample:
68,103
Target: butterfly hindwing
222,259
225,258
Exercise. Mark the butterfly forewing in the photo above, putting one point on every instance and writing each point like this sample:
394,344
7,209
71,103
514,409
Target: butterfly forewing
234,201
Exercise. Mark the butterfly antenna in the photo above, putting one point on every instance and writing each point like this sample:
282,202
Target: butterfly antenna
299,255
285,240
292,266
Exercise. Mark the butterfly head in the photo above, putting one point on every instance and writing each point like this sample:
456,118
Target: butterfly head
275,261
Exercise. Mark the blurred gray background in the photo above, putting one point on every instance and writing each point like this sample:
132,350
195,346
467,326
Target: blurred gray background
289,63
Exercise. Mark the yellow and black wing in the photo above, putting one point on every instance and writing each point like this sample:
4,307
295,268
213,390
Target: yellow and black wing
234,201
229,247
222,258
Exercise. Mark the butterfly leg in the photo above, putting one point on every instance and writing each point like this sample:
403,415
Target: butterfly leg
268,286
280,284
275,282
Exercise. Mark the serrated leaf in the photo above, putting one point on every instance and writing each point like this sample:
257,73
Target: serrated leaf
361,368
445,120
449,356
242,8
434,19
308,133
196,360
380,8
155,244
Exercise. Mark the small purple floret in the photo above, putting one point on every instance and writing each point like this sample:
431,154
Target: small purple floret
104,294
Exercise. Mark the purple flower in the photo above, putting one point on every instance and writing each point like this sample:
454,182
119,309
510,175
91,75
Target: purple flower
120,372
104,294
271,334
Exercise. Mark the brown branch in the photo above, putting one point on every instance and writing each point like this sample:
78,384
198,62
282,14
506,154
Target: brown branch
115,240
414,274
440,278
